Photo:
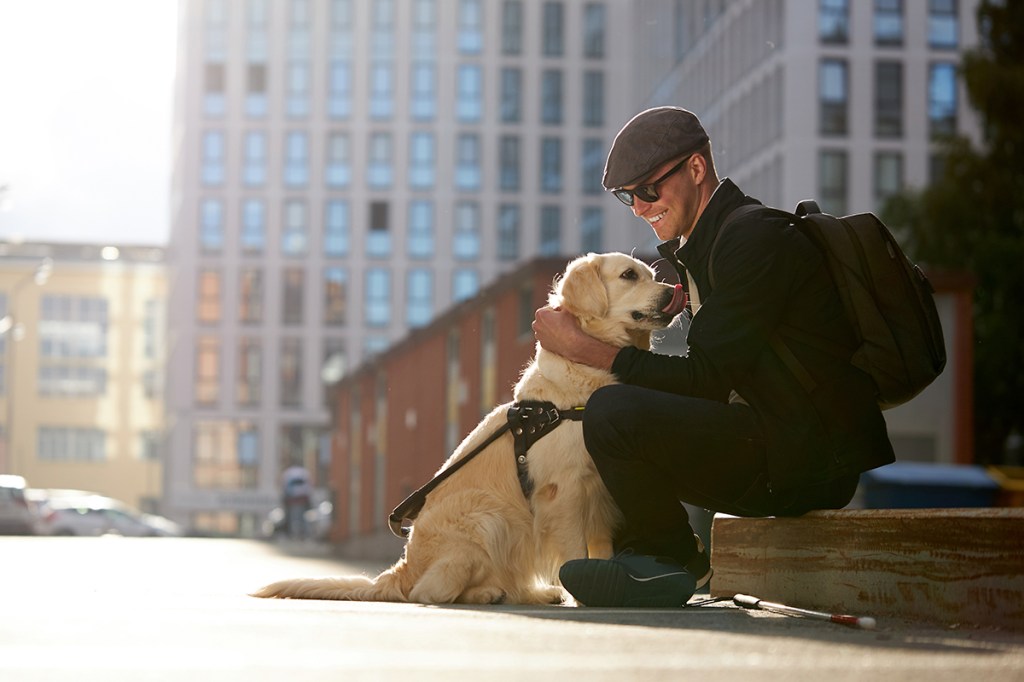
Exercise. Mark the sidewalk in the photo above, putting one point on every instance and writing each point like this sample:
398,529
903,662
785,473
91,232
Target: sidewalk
177,609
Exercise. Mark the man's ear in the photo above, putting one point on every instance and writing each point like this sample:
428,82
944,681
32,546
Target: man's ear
581,289
698,167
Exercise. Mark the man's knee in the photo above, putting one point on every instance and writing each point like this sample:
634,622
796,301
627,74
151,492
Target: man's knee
607,411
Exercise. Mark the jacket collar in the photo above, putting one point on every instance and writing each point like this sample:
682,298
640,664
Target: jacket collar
695,250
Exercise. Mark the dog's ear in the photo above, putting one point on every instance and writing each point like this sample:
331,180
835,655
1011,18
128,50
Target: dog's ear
581,291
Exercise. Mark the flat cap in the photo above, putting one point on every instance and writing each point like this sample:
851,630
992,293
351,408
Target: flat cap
648,140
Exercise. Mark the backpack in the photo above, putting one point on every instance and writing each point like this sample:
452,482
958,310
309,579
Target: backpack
887,299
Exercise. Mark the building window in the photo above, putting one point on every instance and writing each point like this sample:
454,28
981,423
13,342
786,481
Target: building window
225,456
338,172
423,103
207,381
421,161
216,41
208,305
832,183
291,373
379,173
469,95
421,230
382,89
943,24
257,52
335,296
213,158
337,231
63,444
73,327
256,91
254,165
550,231
424,29
250,296
833,21
211,235
293,293
335,360
465,284
551,165
593,30
551,97
295,235
511,95
888,177
888,99
339,90
508,163
250,372
592,230
297,101
553,32
888,22
593,166
833,96
341,38
467,161
72,381
378,238
299,49
378,297
508,232
593,98
466,238
296,159
213,90
471,26
942,99
254,226
512,27
419,297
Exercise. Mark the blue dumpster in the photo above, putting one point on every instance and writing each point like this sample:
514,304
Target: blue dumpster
913,485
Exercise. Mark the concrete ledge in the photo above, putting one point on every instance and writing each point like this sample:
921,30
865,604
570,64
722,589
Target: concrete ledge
954,566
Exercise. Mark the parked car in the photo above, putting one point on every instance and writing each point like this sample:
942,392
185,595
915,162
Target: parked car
91,514
17,516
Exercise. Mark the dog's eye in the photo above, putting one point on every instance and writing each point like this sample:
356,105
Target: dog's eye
629,274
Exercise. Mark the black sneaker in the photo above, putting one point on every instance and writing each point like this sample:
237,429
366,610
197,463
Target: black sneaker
700,565
628,580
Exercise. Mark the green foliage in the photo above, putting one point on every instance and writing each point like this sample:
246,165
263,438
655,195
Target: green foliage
972,219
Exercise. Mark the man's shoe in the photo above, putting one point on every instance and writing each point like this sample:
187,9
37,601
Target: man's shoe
628,580
700,565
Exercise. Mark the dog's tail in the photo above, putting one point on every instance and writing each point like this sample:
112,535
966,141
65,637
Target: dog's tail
385,587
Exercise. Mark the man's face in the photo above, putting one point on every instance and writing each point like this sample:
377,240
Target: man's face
674,213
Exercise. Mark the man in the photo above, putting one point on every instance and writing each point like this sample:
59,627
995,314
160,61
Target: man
727,426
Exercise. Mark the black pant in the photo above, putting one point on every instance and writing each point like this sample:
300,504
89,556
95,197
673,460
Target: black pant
655,450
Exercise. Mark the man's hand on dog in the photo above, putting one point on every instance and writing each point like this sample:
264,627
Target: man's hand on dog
559,332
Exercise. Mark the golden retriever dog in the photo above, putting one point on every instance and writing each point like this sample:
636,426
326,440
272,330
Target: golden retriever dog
478,538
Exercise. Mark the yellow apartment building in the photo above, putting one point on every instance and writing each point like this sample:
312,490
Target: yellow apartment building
82,357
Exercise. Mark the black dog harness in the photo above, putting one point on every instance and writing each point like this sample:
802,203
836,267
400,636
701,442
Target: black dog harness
528,420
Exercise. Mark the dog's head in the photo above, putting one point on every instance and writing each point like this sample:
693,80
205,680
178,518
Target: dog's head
616,298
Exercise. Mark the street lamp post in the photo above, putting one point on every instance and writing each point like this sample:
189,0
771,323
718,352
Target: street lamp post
13,330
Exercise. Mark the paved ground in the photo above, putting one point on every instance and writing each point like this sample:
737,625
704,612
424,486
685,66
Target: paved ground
176,609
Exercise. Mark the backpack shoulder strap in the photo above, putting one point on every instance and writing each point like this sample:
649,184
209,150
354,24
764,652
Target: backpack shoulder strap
735,215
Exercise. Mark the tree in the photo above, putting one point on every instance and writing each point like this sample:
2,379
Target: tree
972,218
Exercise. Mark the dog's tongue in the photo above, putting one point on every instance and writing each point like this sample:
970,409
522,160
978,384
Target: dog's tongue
678,302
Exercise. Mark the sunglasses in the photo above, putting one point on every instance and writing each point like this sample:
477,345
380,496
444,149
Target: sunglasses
648,192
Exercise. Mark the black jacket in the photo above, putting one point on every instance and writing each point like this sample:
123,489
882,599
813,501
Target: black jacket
768,274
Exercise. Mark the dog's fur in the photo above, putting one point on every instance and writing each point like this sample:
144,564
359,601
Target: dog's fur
478,540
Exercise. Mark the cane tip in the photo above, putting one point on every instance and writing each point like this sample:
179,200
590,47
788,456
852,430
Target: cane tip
866,623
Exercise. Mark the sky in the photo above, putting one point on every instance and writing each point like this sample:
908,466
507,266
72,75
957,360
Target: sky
86,96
